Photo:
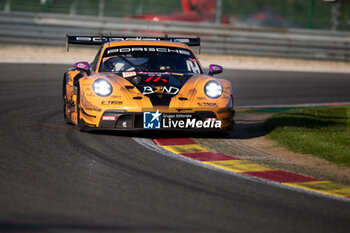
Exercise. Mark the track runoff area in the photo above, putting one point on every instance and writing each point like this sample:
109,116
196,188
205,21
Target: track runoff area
189,150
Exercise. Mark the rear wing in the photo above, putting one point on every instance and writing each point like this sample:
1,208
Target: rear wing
100,40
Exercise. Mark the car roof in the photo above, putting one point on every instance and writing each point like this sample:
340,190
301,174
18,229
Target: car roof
145,43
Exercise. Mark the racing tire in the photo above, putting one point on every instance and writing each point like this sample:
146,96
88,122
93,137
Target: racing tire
65,102
81,126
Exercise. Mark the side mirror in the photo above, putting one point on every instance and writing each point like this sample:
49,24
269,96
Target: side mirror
83,66
215,69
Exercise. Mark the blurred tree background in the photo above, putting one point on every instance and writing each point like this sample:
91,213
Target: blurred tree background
315,14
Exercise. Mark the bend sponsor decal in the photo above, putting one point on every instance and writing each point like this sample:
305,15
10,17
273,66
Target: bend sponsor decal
157,120
151,120
147,90
109,118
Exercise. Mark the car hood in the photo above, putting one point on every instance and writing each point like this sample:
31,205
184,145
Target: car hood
159,87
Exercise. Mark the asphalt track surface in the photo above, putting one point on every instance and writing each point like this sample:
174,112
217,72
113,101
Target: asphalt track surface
54,178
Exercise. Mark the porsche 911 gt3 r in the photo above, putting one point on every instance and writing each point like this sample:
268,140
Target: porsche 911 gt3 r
145,84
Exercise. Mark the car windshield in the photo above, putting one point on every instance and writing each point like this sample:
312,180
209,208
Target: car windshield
151,59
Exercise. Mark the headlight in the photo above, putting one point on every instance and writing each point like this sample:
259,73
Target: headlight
213,89
102,87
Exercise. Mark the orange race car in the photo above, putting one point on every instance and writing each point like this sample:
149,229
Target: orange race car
145,83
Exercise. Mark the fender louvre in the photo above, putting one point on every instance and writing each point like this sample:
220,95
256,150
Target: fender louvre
86,114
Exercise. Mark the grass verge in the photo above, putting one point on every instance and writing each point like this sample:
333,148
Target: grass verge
323,132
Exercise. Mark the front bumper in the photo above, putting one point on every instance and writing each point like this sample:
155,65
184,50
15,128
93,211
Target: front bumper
118,120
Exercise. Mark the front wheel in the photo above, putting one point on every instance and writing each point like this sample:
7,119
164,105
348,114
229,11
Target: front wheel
81,126
65,102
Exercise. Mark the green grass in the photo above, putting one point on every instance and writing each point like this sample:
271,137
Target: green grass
323,132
